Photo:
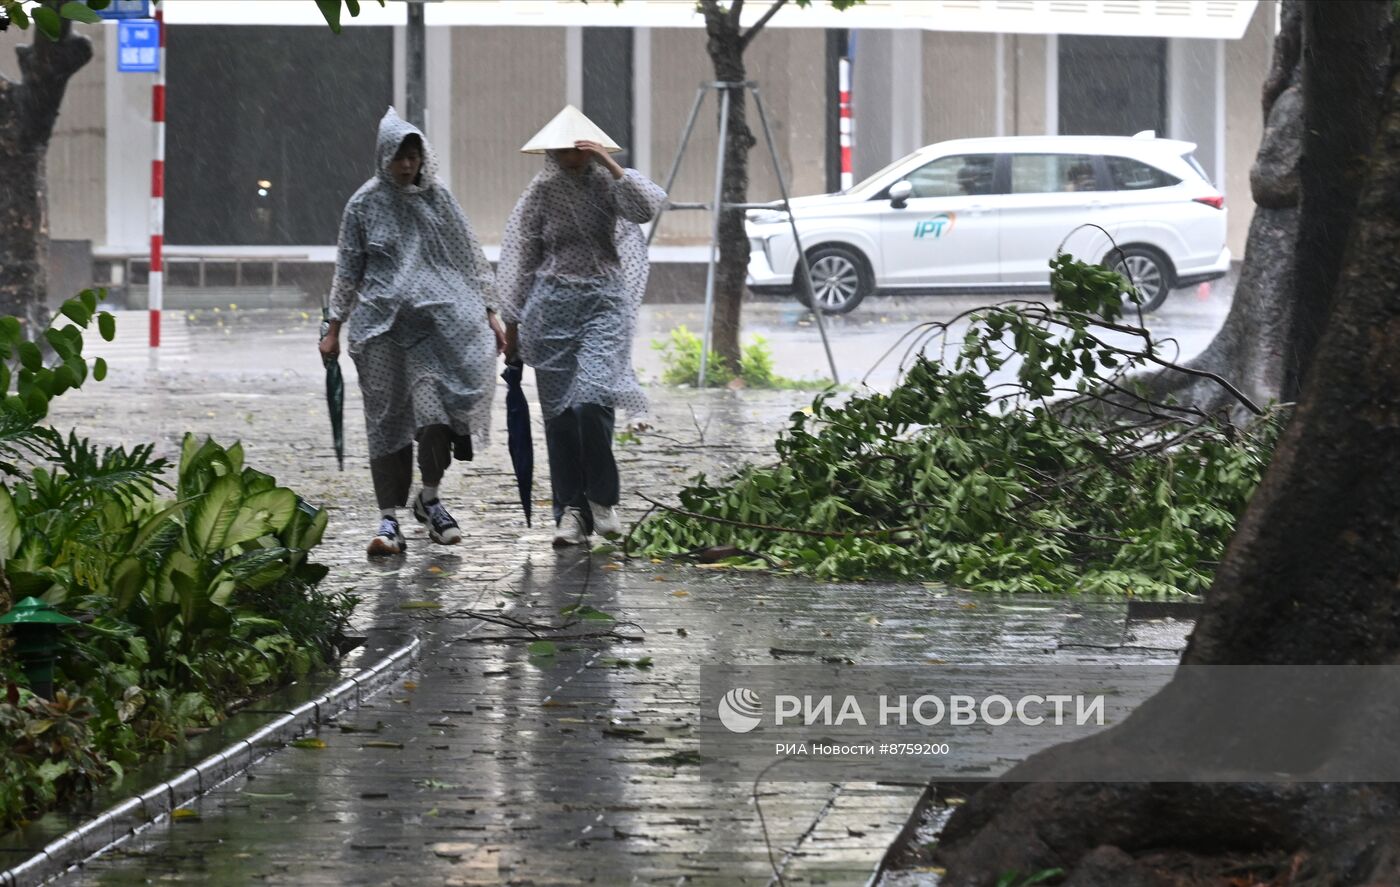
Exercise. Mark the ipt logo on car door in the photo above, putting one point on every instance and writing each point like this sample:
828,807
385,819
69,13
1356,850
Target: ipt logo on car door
935,227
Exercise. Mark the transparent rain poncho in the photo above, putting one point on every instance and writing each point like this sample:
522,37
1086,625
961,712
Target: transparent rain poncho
413,285
572,273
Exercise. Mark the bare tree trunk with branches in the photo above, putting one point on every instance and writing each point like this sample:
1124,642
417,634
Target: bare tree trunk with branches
726,45
28,111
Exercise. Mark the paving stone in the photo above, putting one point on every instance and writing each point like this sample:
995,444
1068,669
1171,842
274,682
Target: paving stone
513,769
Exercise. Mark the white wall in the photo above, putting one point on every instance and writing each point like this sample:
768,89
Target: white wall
131,141
1193,96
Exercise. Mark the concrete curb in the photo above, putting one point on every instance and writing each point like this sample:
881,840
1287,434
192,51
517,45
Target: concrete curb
131,816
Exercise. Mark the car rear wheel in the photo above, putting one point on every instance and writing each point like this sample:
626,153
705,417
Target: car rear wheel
1149,272
840,279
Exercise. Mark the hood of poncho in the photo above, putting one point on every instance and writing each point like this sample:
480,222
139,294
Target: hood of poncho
393,129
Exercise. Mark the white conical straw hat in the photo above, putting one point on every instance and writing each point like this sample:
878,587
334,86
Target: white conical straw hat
567,127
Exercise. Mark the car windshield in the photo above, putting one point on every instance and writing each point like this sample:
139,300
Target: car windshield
870,180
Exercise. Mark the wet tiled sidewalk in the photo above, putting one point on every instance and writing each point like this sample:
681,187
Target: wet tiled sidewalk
489,766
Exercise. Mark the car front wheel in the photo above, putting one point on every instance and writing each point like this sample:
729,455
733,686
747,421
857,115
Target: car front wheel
840,279
1149,272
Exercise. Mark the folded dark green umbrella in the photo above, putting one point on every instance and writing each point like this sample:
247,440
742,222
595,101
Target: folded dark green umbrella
335,395
522,449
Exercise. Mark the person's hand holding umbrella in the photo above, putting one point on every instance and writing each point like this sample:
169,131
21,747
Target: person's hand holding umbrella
335,383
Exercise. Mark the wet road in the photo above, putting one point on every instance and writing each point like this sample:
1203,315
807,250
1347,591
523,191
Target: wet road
488,765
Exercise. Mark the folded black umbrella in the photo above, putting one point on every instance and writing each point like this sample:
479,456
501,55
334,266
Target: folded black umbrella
522,449
335,395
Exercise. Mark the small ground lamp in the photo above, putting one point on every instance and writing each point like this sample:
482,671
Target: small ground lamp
36,625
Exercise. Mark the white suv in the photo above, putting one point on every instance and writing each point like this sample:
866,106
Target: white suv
989,214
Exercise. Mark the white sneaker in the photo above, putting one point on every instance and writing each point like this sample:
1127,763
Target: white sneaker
606,521
388,540
570,531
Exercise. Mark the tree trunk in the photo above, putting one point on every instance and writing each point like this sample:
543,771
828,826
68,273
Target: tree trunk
1304,183
1309,578
28,111
726,48
1344,65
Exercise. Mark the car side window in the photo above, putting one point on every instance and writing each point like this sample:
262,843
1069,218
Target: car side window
1134,175
1050,173
954,176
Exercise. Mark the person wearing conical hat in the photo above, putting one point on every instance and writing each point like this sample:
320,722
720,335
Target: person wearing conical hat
414,287
572,273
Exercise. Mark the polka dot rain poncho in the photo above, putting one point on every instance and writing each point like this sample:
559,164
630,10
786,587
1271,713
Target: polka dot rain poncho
413,284
572,273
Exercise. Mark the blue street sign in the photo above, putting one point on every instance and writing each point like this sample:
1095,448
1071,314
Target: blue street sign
138,46
120,9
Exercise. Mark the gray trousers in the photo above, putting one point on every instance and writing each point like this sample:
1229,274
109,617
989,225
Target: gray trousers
393,474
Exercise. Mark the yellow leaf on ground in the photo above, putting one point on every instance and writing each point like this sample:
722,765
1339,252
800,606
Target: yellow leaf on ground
681,593
410,685
184,813
310,742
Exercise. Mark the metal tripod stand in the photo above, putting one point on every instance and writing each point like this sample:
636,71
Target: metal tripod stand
802,279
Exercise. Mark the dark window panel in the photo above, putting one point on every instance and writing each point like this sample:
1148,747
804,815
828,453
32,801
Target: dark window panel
607,84
1114,86
297,108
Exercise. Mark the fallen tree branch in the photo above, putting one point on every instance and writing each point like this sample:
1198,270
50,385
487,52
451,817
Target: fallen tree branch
821,534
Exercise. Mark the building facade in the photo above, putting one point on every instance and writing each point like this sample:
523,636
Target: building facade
272,118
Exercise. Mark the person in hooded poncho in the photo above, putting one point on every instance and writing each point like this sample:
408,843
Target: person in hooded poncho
415,289
572,273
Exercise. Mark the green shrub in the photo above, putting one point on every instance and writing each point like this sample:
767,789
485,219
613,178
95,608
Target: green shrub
195,591
680,357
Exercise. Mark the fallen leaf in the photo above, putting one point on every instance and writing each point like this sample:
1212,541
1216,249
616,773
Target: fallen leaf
311,742
410,685
184,814
420,605
681,593
968,606
381,743
542,648
612,566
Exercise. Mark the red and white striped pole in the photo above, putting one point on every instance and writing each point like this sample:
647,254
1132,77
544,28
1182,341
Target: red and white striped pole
157,276
847,176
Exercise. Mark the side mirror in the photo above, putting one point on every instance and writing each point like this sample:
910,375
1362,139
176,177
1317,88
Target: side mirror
900,192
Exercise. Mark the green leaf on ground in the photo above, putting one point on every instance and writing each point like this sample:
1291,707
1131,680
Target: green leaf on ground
543,648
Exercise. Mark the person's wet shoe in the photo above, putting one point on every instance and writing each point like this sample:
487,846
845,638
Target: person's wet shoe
442,527
606,521
389,540
570,530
